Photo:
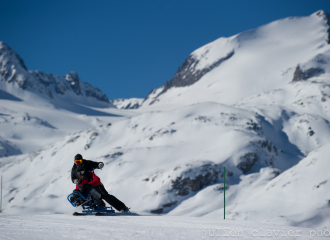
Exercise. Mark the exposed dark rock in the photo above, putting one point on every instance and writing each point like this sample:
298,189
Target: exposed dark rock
311,133
130,103
74,80
157,211
114,155
202,119
94,92
33,156
94,135
326,18
248,161
184,185
153,101
73,139
5,49
324,182
300,75
13,189
180,184
253,126
188,75
270,147
135,106
161,132
8,149
220,187
276,172
170,204
135,126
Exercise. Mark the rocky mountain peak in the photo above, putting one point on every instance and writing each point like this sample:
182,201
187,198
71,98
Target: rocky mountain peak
13,71
323,14
9,57
74,81
72,77
214,62
326,17
188,73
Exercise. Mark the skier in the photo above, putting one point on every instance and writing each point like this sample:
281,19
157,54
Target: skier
88,167
88,182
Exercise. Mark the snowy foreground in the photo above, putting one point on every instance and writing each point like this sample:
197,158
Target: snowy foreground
65,226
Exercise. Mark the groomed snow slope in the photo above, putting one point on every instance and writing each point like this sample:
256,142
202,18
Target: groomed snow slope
62,226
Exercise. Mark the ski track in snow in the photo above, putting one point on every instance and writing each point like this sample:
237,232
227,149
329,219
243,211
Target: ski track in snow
62,226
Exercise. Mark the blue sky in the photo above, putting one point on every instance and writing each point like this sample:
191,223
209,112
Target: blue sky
127,48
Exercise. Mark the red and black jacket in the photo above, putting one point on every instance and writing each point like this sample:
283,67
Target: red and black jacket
90,179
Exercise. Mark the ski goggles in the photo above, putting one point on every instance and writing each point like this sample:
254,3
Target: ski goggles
78,162
80,173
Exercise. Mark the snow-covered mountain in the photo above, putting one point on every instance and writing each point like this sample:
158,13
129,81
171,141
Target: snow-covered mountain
258,60
15,77
256,103
38,109
129,103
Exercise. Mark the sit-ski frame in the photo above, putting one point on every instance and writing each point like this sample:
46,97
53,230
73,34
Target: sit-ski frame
89,205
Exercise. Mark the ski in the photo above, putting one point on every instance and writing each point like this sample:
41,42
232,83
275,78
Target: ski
92,214
78,214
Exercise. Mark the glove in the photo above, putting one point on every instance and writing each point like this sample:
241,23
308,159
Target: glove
75,181
101,165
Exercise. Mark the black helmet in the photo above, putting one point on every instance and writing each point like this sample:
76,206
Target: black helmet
78,157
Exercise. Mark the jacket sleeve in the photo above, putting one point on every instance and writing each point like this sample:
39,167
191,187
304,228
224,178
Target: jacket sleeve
91,165
73,173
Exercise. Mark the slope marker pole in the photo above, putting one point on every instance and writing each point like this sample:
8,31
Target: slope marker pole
1,196
224,193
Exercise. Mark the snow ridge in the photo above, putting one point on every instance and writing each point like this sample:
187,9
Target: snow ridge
130,103
14,72
251,55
